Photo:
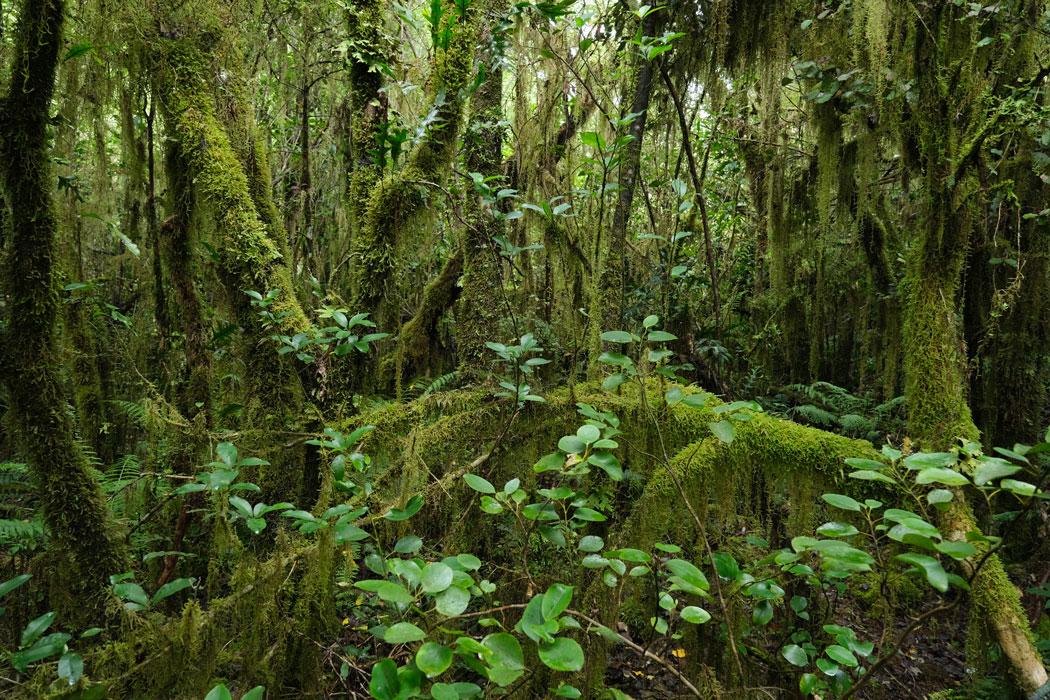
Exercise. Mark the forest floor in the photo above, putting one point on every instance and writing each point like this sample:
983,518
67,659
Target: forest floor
933,660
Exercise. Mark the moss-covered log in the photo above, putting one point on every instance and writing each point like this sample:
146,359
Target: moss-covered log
87,553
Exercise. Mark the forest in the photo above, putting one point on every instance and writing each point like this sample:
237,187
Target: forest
524,349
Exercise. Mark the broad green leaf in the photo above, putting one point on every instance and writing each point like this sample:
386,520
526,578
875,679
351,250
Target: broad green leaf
795,655
941,475
479,484
384,684
723,430
433,659
436,577
219,692
695,615
452,602
591,543
621,337
837,500
71,667
563,654
935,574
929,460
842,655
402,633
506,660
13,583
556,600
386,590
171,588
993,468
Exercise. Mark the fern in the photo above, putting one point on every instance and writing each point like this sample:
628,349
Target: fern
22,535
440,383
124,471
815,415
134,410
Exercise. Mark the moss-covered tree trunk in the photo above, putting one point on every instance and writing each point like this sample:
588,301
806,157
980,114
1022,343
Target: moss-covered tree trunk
482,302
367,104
935,369
398,200
74,509
229,173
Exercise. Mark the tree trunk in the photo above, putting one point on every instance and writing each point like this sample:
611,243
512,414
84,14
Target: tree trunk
74,509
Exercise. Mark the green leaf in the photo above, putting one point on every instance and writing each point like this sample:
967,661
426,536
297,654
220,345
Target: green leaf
935,574
842,655
436,577
695,615
386,590
1018,488
563,654
941,475
219,692
591,543
256,693
71,667
621,337
795,655
589,515
479,484
572,444
37,627
992,468
433,659
763,613
652,320
956,550
588,433
726,565
860,463
410,509
556,600
256,525
837,500
452,602
869,475
76,51
403,633
171,588
836,529
661,337
227,452
938,496
384,684
13,583
506,658
723,430
929,460
608,463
